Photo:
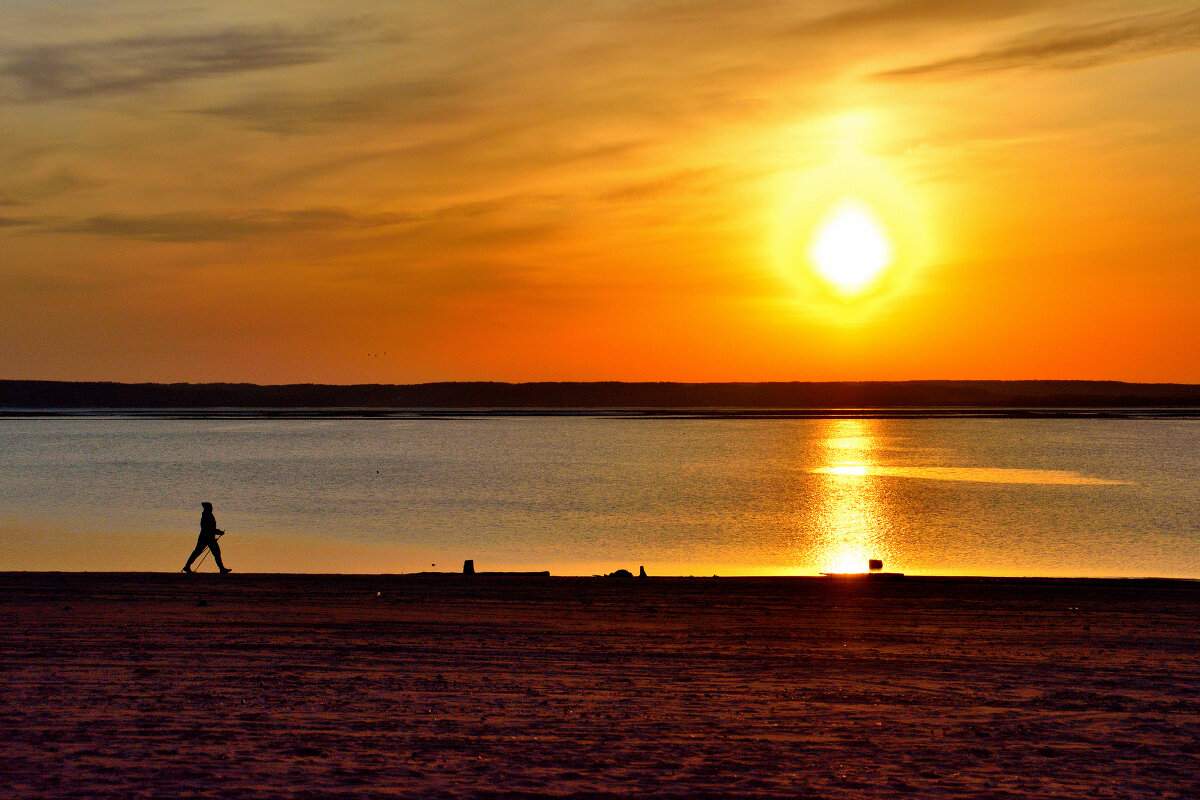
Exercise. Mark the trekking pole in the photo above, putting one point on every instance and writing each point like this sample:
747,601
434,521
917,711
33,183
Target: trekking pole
207,550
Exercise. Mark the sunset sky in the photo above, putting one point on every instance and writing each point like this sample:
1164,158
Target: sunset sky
414,191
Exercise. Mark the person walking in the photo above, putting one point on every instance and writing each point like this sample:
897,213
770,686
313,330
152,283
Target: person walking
208,539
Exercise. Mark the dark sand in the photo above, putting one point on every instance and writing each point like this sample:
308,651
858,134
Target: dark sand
315,686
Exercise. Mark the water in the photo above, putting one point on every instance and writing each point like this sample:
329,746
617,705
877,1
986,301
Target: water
577,495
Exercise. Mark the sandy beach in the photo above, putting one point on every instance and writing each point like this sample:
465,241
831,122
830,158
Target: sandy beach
128,685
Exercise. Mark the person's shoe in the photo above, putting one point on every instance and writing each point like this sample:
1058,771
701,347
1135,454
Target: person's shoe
225,569
186,569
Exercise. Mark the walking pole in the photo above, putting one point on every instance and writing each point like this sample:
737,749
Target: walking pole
207,550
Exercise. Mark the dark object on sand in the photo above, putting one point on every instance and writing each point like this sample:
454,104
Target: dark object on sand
875,564
641,572
469,569
621,573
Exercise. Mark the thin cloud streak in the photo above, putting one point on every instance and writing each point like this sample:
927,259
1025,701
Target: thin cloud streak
916,12
422,100
1073,48
487,222
214,227
124,64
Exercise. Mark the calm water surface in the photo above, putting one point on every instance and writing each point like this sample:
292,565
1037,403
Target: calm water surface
583,495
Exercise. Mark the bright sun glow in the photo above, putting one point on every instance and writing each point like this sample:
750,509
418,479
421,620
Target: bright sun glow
848,562
845,469
851,249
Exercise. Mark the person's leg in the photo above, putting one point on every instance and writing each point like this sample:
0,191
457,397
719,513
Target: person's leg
200,545
216,551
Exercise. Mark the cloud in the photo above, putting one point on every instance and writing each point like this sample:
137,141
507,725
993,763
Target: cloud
659,186
483,222
419,100
215,227
908,12
58,71
1075,47
12,222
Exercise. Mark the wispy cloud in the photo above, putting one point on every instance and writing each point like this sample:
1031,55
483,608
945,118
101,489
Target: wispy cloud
659,186
484,222
1073,47
916,12
124,64
216,227
294,112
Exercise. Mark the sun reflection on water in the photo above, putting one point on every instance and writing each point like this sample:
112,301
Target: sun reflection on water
848,469
851,516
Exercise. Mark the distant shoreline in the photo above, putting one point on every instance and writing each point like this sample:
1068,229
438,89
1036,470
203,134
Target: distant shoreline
235,413
787,400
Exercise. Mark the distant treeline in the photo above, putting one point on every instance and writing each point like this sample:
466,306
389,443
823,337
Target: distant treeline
604,395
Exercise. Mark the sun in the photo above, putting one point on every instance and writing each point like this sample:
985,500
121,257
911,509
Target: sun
851,249
850,238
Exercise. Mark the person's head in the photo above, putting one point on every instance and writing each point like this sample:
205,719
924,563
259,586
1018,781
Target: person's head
207,506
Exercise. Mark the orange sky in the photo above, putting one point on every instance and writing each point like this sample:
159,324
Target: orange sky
399,192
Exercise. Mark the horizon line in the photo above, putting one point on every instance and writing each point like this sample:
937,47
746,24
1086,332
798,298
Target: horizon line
600,382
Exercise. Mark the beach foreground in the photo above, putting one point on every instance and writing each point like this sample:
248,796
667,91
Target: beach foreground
122,685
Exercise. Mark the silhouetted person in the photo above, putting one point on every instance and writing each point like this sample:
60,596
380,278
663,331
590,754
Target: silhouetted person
208,538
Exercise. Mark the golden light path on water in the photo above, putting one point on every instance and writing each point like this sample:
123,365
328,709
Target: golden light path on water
857,516
1044,477
850,512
